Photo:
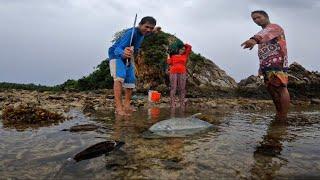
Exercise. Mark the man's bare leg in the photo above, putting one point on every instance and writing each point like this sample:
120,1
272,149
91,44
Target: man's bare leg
273,94
284,102
117,88
127,102
281,99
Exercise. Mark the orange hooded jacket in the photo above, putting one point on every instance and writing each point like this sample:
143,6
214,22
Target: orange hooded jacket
178,62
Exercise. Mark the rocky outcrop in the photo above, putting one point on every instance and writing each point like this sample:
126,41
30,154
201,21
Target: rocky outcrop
252,87
204,77
303,84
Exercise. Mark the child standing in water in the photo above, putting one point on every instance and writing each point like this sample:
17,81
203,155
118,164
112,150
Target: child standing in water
178,74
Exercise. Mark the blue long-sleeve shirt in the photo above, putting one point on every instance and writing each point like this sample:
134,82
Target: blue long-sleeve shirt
117,49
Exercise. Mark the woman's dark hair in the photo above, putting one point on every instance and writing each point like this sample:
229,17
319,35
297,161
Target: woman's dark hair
148,19
260,12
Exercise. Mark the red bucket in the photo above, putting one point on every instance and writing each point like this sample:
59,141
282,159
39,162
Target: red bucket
154,96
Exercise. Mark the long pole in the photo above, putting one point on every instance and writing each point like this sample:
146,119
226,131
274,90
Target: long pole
132,33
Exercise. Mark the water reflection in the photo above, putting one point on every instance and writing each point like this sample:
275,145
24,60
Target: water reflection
174,111
229,152
140,157
267,155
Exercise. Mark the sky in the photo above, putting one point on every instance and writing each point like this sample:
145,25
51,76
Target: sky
49,41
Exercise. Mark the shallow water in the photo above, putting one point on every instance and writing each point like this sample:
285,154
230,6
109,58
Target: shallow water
243,145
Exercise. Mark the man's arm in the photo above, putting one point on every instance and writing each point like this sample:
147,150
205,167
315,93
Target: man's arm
123,49
270,32
249,44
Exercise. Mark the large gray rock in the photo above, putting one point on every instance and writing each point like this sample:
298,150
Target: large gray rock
303,83
252,87
205,78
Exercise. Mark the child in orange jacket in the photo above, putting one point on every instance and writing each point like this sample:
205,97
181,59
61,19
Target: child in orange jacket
178,74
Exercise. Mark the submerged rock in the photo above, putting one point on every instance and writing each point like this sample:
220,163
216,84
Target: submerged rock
2,98
110,96
82,127
88,108
52,97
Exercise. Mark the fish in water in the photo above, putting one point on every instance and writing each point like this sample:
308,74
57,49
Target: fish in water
180,127
97,150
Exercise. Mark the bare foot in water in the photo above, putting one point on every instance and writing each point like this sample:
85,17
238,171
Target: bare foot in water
121,112
130,109
281,117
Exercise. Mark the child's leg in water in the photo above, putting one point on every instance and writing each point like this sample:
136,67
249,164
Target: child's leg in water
182,88
173,89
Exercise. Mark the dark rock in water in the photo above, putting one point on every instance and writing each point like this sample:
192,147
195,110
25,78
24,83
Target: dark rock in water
270,149
173,165
251,107
98,150
82,127
51,97
98,91
315,101
118,160
72,90
303,120
88,108
110,96
2,98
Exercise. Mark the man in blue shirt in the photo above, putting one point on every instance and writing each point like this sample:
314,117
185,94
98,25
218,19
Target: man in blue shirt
121,62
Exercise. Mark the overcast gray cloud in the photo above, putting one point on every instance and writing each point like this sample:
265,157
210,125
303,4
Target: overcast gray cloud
288,4
48,42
